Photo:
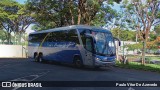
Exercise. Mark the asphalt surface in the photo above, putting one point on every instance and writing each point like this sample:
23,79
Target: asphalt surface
28,70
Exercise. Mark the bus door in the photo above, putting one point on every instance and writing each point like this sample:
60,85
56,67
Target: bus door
89,50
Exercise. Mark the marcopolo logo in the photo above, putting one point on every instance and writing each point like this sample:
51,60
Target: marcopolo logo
6,84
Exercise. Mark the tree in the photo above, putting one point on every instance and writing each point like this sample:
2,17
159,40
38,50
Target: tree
124,35
14,18
157,30
152,36
145,13
3,36
116,32
105,17
8,9
133,47
151,45
128,35
158,41
57,13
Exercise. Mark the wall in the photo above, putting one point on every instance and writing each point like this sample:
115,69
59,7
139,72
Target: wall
12,51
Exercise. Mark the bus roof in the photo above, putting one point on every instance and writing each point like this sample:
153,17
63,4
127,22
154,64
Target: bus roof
73,27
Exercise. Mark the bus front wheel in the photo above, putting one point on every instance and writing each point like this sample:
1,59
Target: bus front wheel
78,62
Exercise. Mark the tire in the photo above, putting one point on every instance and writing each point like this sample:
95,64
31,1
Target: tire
36,58
78,62
96,67
40,58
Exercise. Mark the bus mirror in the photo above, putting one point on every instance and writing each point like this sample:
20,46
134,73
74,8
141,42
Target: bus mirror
119,41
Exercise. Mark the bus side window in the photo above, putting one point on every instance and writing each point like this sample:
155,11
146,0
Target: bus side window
73,36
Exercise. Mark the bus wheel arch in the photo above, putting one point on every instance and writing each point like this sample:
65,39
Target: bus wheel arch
77,61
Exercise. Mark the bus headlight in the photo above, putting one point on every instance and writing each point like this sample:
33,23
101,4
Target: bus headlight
98,59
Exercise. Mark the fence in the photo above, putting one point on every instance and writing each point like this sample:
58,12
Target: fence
13,51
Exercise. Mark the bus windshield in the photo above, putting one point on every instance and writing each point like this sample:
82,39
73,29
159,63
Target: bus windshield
104,43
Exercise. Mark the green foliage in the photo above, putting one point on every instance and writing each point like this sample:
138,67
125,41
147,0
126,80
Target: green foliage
124,35
3,36
157,30
152,36
144,14
132,47
57,13
116,32
8,9
14,18
158,14
104,16
128,35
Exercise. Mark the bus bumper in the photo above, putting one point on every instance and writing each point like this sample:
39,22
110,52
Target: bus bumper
101,63
104,61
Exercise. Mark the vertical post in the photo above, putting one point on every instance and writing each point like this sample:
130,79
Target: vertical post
136,36
123,47
22,51
143,52
118,46
117,49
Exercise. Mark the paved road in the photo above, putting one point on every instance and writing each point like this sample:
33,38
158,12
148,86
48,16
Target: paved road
27,69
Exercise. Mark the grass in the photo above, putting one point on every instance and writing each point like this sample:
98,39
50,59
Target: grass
138,66
136,57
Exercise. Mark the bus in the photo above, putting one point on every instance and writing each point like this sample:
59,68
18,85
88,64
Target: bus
80,45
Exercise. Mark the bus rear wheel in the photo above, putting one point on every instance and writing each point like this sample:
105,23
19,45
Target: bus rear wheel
36,58
78,62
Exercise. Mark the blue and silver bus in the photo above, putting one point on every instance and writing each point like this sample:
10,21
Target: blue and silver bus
80,45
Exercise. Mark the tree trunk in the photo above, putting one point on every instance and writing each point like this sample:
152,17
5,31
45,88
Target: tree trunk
143,51
79,17
71,12
19,37
145,38
9,38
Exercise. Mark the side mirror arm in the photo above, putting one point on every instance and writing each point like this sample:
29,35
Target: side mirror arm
117,39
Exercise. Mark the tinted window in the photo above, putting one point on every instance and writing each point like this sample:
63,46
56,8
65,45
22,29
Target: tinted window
72,36
37,37
63,36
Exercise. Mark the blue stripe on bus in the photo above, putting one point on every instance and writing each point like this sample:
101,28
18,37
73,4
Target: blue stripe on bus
62,56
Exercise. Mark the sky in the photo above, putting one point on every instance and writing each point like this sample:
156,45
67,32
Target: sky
21,1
